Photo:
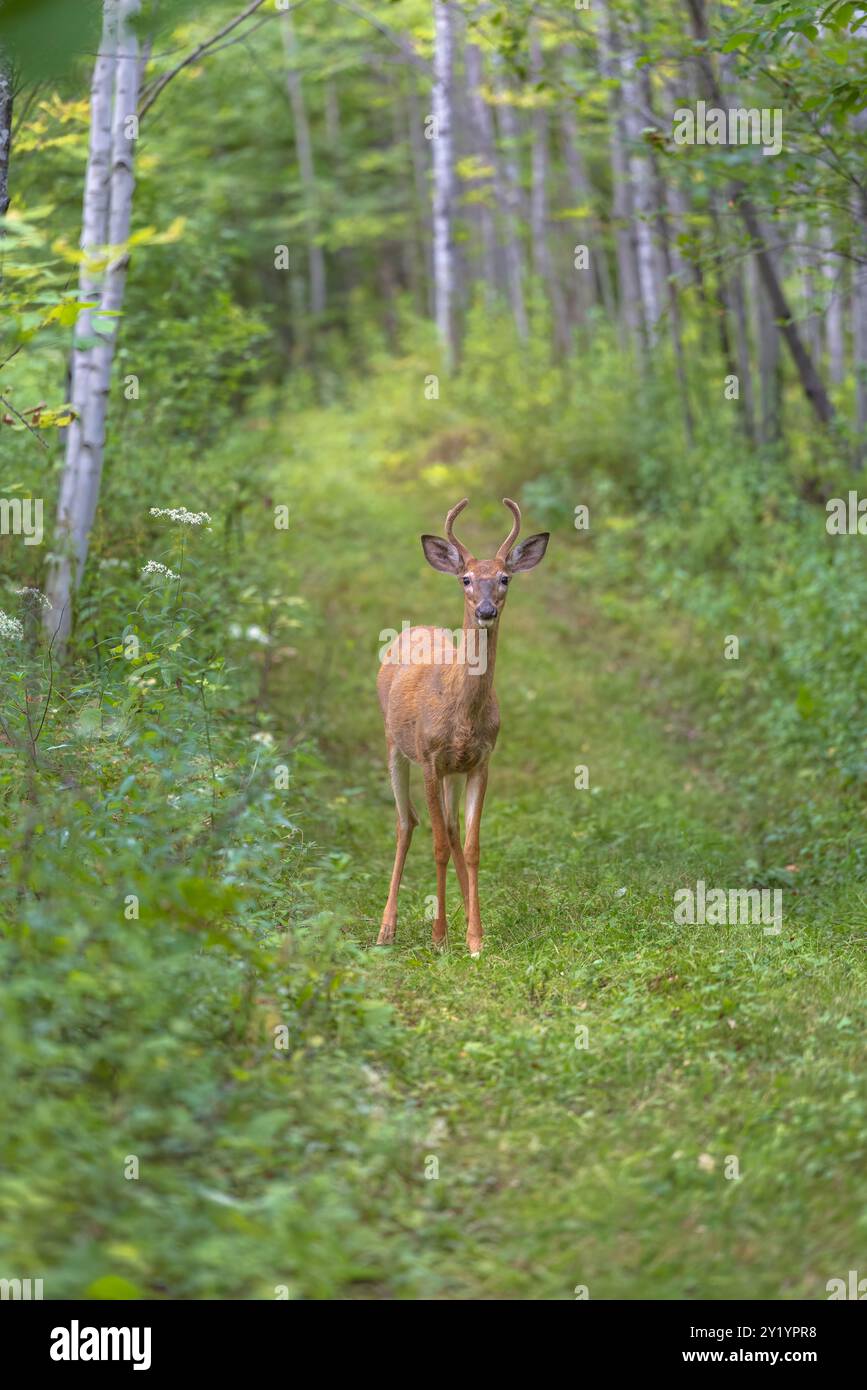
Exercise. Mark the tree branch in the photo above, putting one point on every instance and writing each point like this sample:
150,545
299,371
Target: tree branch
160,83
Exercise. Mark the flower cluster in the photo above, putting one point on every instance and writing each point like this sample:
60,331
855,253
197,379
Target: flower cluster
36,595
154,567
182,515
10,627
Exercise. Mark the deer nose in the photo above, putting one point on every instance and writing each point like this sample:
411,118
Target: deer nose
486,611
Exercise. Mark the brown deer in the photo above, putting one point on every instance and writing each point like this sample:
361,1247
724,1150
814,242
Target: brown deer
441,712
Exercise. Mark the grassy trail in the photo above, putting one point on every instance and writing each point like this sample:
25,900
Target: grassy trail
606,1158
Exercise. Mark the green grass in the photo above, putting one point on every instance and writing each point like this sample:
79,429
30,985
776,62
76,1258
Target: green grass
561,1166
311,1168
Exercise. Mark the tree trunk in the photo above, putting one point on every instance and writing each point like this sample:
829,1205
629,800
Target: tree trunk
732,302
629,290
669,279
70,550
859,347
832,274
483,148
420,172
643,202
768,344
511,200
6,101
304,154
806,262
859,307
542,265
597,284
443,179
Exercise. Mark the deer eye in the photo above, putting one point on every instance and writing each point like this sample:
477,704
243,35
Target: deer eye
467,581
504,579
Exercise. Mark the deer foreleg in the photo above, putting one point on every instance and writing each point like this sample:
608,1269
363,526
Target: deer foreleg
433,786
452,787
407,820
477,782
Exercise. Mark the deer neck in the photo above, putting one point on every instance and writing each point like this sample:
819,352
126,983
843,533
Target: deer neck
475,675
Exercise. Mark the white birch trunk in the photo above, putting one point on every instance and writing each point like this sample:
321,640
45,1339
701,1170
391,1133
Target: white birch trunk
768,343
586,232
6,98
832,274
542,265
512,200
443,179
483,141
629,290
859,307
643,203
304,155
68,558
126,94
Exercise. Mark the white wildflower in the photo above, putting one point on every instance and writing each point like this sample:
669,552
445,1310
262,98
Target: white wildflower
36,595
10,627
264,738
256,634
182,515
154,567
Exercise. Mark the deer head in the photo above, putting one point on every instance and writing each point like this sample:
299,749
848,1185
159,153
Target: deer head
485,583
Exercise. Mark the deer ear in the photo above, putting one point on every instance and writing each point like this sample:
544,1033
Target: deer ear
441,554
527,555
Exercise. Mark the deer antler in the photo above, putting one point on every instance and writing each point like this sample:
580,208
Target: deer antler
504,549
450,521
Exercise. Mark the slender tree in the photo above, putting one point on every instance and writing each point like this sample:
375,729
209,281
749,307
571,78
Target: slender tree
6,104
510,196
443,178
71,538
628,286
306,170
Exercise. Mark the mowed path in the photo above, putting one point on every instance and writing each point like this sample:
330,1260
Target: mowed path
605,1100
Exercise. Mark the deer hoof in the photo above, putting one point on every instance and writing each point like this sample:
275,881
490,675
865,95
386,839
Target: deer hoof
386,936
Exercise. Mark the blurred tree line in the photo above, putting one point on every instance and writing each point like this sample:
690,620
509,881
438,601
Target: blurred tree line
426,154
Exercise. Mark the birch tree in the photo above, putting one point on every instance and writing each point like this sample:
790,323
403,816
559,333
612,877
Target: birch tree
483,142
768,350
511,197
443,178
82,443
642,191
629,292
306,170
539,197
832,273
6,104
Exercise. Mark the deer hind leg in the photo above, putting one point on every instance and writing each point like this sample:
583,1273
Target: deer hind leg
433,786
477,782
407,820
452,788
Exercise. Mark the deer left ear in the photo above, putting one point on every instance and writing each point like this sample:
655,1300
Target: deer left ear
527,555
442,555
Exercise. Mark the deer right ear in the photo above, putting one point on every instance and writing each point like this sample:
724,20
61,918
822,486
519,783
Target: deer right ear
442,555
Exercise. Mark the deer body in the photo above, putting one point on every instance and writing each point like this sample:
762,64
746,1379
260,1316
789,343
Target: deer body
441,713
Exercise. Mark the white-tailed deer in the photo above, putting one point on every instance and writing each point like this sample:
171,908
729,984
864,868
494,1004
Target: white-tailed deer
441,712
